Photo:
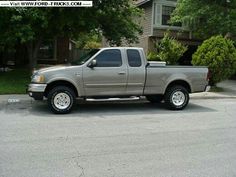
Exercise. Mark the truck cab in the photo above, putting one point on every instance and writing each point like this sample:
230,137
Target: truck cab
113,72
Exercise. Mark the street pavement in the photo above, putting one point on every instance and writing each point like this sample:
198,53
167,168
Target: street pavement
126,139
120,139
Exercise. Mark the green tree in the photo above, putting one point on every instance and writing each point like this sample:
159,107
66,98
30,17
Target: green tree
219,54
29,26
89,40
207,17
168,50
22,25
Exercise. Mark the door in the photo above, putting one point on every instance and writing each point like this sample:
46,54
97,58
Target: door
108,77
137,72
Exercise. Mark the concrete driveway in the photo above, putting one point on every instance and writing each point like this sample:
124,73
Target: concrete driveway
132,139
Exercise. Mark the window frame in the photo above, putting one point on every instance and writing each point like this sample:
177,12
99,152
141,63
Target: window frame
48,42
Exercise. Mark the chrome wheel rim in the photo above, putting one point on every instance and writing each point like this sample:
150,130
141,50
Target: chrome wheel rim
178,98
62,101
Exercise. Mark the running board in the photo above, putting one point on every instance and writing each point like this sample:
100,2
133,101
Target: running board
114,99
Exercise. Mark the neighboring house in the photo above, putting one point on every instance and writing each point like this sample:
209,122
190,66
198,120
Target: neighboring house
55,51
156,22
52,51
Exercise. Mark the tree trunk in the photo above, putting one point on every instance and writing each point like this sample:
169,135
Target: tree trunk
30,54
4,58
21,55
33,48
228,35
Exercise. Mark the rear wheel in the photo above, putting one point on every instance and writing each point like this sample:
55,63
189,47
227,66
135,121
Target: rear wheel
176,97
61,99
154,98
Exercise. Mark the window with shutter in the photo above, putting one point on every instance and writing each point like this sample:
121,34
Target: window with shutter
157,14
166,14
162,10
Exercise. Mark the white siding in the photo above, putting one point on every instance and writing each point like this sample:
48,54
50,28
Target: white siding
147,20
147,25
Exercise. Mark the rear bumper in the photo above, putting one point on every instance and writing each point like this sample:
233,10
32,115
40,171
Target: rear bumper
207,88
36,91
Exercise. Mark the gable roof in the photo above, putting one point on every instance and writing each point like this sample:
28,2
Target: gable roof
141,2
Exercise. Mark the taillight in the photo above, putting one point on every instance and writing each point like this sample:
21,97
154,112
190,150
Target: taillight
208,75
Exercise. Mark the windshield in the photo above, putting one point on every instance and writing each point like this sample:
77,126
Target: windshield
85,57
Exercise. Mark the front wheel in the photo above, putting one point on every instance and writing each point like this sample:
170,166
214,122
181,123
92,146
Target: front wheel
61,100
176,97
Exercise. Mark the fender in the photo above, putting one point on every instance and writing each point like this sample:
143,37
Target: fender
55,78
176,78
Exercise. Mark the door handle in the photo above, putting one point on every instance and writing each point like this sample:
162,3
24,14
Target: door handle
122,73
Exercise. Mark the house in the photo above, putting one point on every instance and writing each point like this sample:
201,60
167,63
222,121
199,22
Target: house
51,51
156,22
55,51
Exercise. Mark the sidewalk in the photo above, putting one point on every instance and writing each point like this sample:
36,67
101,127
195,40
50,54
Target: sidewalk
228,90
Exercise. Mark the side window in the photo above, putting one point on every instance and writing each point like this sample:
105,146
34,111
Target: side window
109,58
134,58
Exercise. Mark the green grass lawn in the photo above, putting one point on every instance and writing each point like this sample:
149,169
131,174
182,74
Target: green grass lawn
14,82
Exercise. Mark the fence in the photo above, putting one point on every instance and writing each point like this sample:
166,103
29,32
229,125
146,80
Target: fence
77,53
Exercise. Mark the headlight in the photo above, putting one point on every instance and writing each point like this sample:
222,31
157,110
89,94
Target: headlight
38,78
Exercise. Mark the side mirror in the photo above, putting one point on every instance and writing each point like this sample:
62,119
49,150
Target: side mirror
92,64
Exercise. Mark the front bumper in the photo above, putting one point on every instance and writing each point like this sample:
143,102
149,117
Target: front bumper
36,90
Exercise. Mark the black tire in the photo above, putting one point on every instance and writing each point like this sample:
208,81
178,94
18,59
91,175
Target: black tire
154,98
61,91
176,97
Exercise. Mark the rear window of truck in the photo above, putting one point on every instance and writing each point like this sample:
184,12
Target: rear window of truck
134,58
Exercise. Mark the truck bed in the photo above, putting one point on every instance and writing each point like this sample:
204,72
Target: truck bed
159,76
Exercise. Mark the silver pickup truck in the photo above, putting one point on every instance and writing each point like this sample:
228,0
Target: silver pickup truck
116,72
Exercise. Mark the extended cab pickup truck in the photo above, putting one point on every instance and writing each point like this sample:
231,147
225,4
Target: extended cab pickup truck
116,72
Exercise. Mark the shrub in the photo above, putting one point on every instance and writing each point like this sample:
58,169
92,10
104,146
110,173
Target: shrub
170,50
92,45
153,56
219,54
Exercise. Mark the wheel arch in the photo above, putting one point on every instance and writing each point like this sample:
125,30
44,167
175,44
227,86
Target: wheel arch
180,82
55,83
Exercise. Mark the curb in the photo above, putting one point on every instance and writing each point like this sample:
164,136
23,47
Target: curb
14,98
212,97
